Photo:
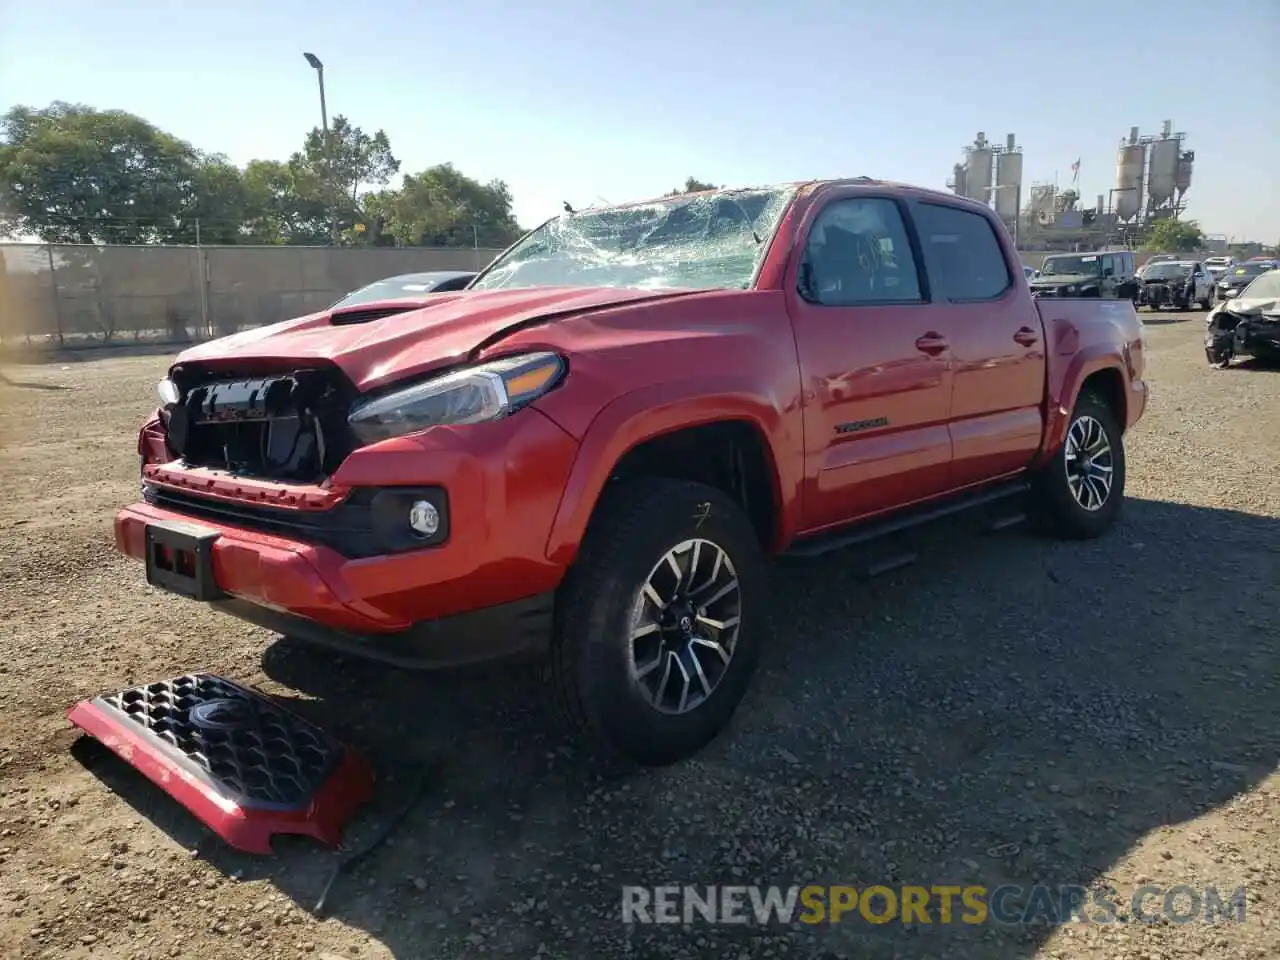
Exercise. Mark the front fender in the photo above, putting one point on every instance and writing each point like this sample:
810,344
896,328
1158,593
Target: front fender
650,411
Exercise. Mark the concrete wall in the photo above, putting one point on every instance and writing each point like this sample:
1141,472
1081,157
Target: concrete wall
83,295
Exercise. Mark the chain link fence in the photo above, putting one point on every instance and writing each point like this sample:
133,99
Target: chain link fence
70,295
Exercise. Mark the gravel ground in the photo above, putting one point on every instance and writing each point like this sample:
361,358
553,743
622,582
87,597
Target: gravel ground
1010,709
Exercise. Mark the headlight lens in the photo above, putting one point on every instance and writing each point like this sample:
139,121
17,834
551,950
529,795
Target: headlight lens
487,392
168,391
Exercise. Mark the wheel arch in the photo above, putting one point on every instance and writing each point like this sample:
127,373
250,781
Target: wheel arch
646,432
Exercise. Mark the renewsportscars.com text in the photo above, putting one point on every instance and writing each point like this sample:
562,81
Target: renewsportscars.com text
945,904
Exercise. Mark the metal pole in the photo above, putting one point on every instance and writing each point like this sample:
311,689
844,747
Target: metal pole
327,149
200,278
53,287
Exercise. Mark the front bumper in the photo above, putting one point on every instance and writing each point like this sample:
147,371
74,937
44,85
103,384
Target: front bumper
481,594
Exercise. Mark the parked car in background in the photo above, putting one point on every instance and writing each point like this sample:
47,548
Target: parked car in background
1240,276
1029,273
1180,284
1246,325
1107,274
1152,260
1218,265
589,456
409,285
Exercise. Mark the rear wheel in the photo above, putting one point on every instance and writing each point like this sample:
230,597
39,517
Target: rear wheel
1081,490
659,622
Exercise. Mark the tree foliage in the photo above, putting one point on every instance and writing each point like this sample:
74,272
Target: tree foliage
73,174
1174,236
692,185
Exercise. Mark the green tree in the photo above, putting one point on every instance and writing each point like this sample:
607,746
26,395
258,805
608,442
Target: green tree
1174,236
73,174
284,203
692,185
443,207
348,160
217,208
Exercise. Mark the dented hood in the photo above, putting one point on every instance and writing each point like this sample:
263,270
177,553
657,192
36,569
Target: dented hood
437,331
1254,306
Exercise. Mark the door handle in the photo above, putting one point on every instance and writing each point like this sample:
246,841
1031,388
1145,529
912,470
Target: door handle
932,344
1026,336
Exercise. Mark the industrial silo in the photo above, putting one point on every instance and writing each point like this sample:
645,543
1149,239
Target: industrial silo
977,170
1130,164
1185,164
959,180
1009,182
1162,174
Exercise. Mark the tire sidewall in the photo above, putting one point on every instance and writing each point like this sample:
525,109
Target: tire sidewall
1074,519
617,707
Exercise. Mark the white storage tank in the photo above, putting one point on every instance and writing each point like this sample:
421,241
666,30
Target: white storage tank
1185,165
1162,176
1130,164
1009,180
978,170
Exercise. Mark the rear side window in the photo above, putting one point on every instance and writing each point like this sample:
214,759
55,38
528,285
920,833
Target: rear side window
966,250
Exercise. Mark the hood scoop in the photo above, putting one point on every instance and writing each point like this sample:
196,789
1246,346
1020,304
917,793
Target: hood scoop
354,315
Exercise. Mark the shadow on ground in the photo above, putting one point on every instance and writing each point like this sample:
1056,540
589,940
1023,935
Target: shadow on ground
1011,709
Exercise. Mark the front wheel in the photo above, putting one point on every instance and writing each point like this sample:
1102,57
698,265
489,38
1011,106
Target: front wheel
1082,488
659,623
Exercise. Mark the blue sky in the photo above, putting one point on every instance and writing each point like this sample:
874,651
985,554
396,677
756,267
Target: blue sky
567,99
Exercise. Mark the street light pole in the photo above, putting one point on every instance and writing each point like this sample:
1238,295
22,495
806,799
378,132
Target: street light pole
316,65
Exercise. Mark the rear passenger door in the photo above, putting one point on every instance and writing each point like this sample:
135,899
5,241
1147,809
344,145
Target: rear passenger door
997,344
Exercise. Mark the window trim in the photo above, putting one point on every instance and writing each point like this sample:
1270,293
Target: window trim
1010,289
923,286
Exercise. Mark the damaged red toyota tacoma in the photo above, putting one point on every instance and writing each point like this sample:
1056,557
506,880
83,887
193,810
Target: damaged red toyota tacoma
590,456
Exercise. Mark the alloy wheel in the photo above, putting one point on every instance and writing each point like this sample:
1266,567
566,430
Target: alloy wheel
1089,462
684,626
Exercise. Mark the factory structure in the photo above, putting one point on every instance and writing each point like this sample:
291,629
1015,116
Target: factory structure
1152,177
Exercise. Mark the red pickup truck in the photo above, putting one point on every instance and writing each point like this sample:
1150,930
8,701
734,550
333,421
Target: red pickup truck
589,456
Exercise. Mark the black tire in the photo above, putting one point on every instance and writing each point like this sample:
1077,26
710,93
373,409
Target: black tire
1055,500
588,677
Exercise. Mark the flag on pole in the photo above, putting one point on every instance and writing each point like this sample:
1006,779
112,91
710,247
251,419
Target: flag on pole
1075,171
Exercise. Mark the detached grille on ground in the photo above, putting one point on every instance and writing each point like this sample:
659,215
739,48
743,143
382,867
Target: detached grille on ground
260,753
243,764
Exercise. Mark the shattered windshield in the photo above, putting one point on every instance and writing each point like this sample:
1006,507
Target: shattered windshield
1067,266
695,241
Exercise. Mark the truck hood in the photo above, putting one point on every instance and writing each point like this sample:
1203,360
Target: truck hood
1062,279
438,331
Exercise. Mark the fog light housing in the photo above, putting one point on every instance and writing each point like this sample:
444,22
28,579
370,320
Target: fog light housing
424,518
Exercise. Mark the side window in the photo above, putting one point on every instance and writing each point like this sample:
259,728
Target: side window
858,253
1126,264
1108,265
966,249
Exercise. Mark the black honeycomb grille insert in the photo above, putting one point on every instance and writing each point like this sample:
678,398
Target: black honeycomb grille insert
254,751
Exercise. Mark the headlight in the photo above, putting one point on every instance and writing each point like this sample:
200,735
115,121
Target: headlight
169,392
474,395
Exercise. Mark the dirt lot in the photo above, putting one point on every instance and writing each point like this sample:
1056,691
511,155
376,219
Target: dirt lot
1008,710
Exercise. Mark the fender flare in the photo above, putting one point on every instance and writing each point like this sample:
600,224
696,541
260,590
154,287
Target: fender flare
627,421
1062,397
